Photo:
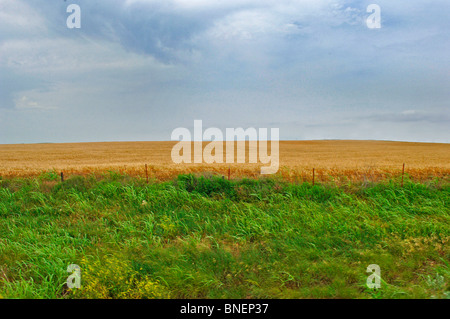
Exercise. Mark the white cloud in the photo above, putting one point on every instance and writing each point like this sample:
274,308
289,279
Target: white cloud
52,55
17,16
26,103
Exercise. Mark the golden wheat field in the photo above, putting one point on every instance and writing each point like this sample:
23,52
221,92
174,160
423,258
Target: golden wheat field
331,160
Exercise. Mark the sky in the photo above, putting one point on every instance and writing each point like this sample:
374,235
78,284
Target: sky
138,69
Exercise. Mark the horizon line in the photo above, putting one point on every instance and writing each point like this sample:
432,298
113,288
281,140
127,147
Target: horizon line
207,141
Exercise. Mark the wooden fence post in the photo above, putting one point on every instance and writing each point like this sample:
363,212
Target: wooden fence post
146,172
62,177
229,173
314,176
403,172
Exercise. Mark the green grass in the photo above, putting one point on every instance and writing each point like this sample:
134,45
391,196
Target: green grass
207,237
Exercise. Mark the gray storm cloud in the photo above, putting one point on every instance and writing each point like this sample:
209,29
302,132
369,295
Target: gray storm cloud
137,69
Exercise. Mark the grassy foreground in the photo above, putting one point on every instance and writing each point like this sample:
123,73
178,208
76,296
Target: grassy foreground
206,237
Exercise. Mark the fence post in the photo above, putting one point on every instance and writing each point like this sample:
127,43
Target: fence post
62,177
146,172
229,173
403,172
314,176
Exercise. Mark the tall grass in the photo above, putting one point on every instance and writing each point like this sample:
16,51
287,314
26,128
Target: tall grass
207,237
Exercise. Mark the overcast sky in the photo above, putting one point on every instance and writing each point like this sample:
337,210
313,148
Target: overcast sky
138,69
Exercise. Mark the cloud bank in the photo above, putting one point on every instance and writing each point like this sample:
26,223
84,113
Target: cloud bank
137,69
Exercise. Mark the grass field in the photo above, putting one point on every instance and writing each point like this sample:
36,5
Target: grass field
207,237
333,160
